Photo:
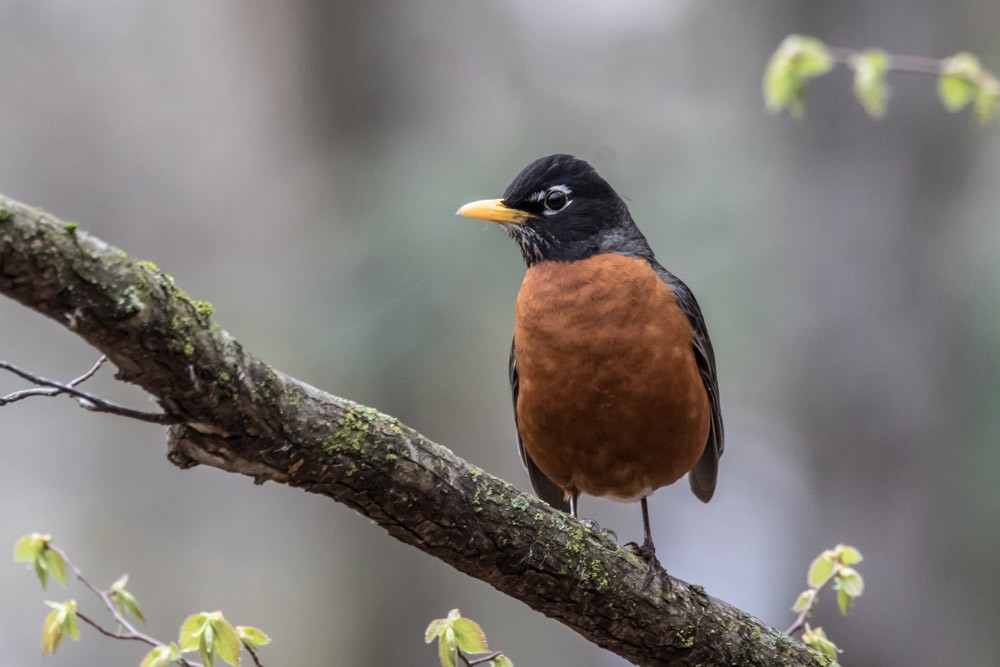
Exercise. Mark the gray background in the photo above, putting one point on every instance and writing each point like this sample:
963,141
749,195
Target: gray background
298,164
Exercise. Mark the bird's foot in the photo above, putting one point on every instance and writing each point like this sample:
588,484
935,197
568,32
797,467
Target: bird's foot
647,552
594,527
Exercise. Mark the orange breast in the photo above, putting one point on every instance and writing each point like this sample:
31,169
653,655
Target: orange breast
611,401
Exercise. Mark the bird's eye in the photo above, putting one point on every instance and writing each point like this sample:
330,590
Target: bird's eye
555,200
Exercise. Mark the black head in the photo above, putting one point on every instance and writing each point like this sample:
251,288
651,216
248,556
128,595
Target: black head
558,208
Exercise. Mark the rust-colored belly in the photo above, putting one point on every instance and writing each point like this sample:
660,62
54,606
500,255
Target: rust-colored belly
611,402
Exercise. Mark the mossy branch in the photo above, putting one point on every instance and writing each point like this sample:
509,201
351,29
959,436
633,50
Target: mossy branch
238,414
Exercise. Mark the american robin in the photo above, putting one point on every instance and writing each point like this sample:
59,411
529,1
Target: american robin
611,368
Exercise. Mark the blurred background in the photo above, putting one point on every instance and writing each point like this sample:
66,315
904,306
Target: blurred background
298,164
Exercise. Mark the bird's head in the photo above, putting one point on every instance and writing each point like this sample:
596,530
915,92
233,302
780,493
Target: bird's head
559,208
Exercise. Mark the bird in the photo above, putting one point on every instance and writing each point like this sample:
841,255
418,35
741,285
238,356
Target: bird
612,372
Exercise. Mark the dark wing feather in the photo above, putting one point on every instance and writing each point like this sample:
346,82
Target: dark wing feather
702,477
544,487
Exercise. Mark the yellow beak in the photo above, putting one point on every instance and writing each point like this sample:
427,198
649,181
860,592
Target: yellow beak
494,210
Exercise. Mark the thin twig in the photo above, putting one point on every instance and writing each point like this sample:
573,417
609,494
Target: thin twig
107,633
915,64
49,391
89,374
483,659
131,632
253,654
805,613
88,401
108,602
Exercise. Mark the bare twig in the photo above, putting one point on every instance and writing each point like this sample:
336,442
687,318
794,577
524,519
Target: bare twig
88,401
253,654
131,633
51,391
482,660
107,633
915,64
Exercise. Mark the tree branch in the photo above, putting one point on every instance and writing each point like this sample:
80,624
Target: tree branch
88,401
236,413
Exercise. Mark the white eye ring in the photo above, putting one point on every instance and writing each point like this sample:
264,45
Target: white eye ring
555,198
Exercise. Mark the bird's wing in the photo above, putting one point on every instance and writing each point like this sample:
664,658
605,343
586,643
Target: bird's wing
544,487
702,477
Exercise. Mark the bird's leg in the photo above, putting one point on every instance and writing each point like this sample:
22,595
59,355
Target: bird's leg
647,548
589,523
647,551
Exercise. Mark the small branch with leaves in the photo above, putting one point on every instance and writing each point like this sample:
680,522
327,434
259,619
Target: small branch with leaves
210,634
458,636
962,79
831,566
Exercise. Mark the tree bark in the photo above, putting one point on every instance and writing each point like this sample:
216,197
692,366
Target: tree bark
238,414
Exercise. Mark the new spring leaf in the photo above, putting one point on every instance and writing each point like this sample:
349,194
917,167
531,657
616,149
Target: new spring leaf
870,88
796,60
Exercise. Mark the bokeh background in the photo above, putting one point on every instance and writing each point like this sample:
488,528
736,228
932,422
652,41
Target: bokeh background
298,164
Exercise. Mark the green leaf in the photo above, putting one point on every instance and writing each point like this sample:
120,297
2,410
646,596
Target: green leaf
843,601
227,641
469,636
435,629
779,84
161,656
212,635
851,581
28,547
120,584
455,633
130,605
811,57
957,85
817,640
252,636
955,92
987,99
870,88
70,626
207,645
804,600
125,602
796,60
821,568
447,648
849,555
60,622
502,661
191,631
42,570
52,631
55,564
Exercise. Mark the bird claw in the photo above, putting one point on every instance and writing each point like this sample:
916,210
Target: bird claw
647,552
594,527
